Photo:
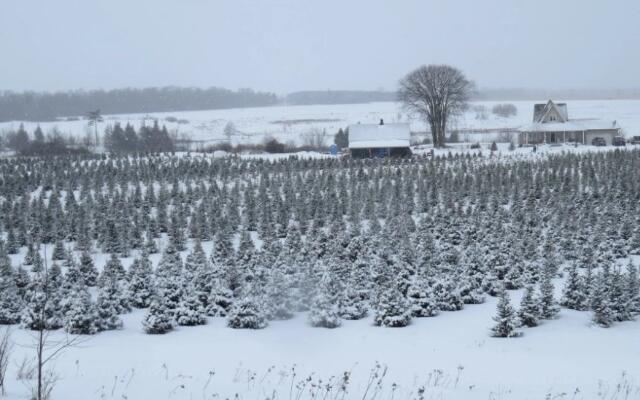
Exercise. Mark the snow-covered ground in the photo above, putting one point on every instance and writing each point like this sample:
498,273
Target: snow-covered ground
451,355
295,123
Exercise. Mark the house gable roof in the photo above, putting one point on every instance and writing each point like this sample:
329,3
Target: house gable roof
541,111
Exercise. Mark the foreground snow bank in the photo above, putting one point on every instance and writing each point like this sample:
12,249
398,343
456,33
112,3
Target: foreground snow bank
451,357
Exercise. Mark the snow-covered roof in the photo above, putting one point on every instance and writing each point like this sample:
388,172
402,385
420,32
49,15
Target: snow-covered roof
575,125
541,110
364,136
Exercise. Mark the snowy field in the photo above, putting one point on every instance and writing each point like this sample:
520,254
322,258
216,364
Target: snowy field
296,123
452,355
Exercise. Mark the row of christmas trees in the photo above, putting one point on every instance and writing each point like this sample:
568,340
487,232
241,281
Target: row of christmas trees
252,291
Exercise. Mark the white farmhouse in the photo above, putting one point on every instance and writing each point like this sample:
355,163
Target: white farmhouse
551,124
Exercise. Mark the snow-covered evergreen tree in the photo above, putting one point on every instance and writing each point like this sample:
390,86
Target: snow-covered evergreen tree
600,301
353,304
141,282
325,308
548,306
158,319
219,300
574,295
88,269
278,296
529,310
506,320
633,288
621,304
190,311
81,317
392,309
112,270
42,306
247,313
447,294
10,301
422,300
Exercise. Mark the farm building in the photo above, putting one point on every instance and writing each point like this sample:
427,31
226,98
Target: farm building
379,140
551,124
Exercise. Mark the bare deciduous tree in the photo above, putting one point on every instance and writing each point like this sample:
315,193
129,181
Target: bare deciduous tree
314,139
5,350
230,131
436,93
95,117
46,348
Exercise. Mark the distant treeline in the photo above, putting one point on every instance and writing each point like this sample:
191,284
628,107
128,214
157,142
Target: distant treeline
117,139
513,94
40,144
505,94
32,106
148,139
339,97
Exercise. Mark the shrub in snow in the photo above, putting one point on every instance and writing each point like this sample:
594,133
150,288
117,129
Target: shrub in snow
169,278
621,305
506,320
196,260
574,295
150,244
23,281
600,302
190,312
392,309
246,314
352,304
29,258
58,251
10,301
278,296
447,294
158,319
219,300
470,290
42,307
513,277
634,245
112,270
324,314
421,300
633,288
325,306
141,286
109,305
81,317
88,269
36,264
548,306
73,276
529,310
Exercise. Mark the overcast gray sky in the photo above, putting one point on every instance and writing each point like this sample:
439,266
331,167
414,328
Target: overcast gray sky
288,45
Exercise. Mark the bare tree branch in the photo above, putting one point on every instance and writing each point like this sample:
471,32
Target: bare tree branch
436,93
